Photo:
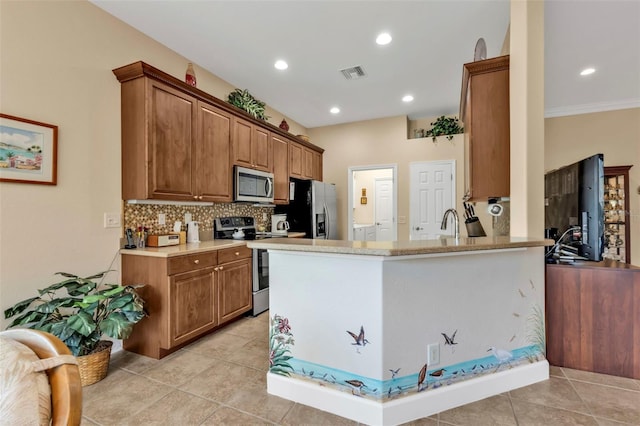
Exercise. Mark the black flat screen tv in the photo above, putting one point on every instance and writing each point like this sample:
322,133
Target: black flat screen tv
574,199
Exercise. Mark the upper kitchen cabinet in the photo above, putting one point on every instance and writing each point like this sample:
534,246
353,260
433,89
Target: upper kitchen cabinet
280,169
484,108
180,143
213,154
252,146
304,162
174,146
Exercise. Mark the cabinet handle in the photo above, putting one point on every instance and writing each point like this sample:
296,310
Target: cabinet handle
200,197
237,253
196,261
221,268
195,197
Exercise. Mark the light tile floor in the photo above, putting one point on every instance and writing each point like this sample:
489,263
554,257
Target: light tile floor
220,380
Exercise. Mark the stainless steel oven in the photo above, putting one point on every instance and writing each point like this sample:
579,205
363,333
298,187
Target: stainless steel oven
260,281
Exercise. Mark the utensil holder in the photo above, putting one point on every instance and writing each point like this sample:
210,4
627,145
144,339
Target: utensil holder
474,227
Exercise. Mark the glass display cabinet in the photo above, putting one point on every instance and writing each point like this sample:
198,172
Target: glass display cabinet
617,244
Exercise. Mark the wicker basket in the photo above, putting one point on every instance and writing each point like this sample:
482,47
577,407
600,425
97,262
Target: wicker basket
94,367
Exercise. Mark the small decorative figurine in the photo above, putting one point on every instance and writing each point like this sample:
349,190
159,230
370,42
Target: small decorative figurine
284,125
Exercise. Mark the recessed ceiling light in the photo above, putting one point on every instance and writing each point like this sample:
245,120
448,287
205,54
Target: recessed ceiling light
334,110
587,71
407,98
281,65
383,38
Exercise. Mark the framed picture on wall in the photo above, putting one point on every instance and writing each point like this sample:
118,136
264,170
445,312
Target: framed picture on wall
28,151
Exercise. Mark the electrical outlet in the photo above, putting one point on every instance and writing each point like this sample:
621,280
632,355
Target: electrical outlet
402,219
162,219
112,220
264,216
187,217
433,354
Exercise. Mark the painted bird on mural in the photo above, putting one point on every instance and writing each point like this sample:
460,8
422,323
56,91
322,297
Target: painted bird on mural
450,340
421,376
359,338
356,386
502,355
437,373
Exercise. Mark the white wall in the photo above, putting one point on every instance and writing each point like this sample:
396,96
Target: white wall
55,67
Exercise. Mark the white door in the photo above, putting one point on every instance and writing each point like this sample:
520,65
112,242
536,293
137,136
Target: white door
384,220
432,192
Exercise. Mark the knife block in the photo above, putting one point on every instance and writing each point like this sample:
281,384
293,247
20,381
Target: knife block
474,227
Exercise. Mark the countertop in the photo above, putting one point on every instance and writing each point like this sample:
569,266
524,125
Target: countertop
192,248
398,248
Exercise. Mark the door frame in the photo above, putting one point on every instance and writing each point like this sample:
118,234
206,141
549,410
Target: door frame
452,162
394,175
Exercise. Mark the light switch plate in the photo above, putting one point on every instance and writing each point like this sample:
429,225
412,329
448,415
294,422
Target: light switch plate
112,220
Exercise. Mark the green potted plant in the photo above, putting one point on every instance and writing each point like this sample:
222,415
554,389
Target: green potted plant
444,126
246,102
80,318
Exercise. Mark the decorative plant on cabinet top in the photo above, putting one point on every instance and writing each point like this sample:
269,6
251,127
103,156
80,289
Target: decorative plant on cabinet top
444,126
246,102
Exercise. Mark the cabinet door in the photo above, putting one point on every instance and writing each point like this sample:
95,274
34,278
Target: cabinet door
234,284
213,155
192,305
317,166
489,129
307,166
171,133
295,160
280,169
242,134
261,150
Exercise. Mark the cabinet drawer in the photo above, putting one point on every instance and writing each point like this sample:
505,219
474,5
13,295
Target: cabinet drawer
191,262
233,254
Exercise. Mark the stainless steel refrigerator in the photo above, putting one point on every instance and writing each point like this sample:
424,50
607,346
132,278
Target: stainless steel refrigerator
312,209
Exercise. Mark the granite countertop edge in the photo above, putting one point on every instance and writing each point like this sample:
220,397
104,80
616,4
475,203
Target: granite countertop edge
400,248
193,248
183,249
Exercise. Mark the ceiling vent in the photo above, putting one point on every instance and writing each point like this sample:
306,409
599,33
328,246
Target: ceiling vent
353,73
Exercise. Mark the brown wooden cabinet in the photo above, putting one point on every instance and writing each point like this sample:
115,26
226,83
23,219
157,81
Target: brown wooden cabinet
234,289
252,146
187,296
304,162
592,317
192,305
213,154
317,166
174,147
280,169
485,113
180,143
617,233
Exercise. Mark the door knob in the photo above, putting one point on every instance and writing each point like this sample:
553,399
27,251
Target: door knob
418,228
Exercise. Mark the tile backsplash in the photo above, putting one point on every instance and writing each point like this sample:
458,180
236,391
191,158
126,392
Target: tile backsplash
146,215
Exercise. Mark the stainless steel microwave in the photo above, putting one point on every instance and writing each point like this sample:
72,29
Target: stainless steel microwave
252,185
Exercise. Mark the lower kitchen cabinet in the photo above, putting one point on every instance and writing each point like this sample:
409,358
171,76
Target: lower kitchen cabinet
234,289
187,296
192,305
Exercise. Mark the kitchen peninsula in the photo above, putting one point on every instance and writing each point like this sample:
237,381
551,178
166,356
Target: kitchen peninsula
388,332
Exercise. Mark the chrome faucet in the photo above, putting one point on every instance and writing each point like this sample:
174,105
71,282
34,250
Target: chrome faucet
455,221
